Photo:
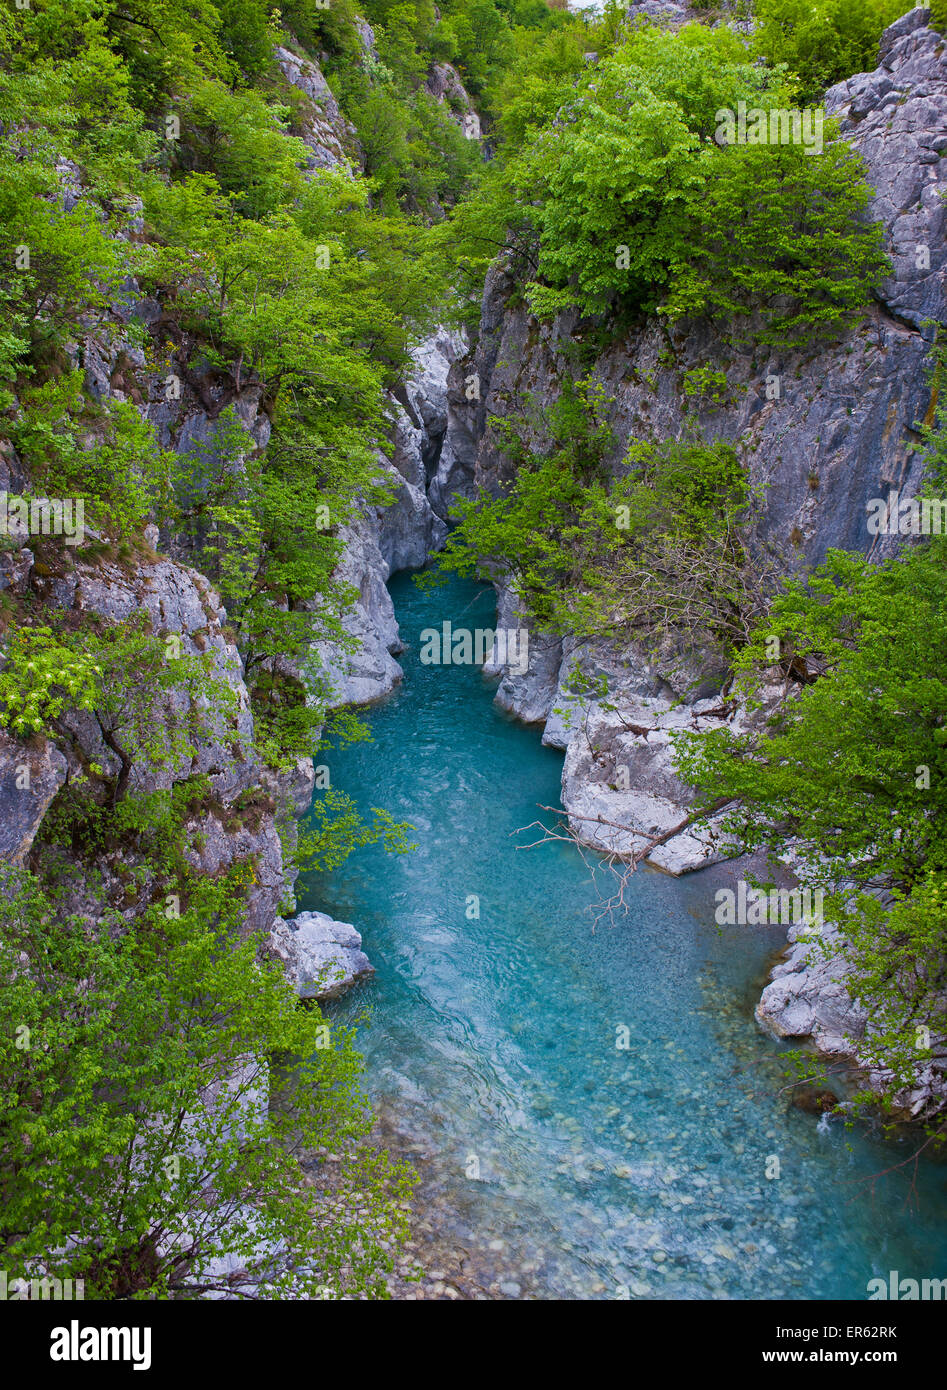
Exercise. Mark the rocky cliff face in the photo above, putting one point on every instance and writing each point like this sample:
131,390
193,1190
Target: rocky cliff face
402,536
840,431
249,810
331,138
245,808
444,85
821,433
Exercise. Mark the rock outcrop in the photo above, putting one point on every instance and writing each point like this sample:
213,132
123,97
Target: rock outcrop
605,758
896,117
445,86
322,958
244,806
384,540
331,138
363,668
424,435
807,1000
31,774
619,772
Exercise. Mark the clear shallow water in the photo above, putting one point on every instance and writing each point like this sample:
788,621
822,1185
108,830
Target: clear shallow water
564,1166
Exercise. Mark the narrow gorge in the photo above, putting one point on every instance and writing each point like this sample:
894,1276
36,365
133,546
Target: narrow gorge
464,538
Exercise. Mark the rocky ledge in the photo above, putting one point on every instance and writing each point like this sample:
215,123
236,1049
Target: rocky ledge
807,1000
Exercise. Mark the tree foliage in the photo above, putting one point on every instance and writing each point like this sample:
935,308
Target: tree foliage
652,552
823,41
853,767
138,1151
619,200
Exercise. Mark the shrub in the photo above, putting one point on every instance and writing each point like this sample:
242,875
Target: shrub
824,41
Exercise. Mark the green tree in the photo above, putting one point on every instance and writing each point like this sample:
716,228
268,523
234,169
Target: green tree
853,767
162,1100
823,41
780,249
637,207
660,551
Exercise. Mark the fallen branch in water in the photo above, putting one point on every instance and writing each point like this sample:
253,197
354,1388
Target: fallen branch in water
621,864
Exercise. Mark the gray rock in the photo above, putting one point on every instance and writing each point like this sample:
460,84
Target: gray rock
842,428
402,536
444,85
619,770
245,801
31,773
180,603
368,671
408,441
662,11
527,694
326,132
808,1000
12,475
409,530
15,569
807,997
296,785
429,402
322,958
897,117
366,36
215,843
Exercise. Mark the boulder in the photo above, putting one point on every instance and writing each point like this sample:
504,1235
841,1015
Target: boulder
322,958
807,997
619,769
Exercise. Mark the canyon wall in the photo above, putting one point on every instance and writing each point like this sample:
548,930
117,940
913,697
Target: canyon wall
821,433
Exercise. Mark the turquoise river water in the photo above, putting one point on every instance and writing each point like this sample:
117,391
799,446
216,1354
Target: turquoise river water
565,1166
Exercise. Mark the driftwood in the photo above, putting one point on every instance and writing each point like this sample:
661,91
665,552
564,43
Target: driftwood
621,866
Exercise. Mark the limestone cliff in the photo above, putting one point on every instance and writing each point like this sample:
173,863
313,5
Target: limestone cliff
821,434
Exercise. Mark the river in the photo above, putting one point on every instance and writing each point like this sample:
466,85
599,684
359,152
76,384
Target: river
596,1113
